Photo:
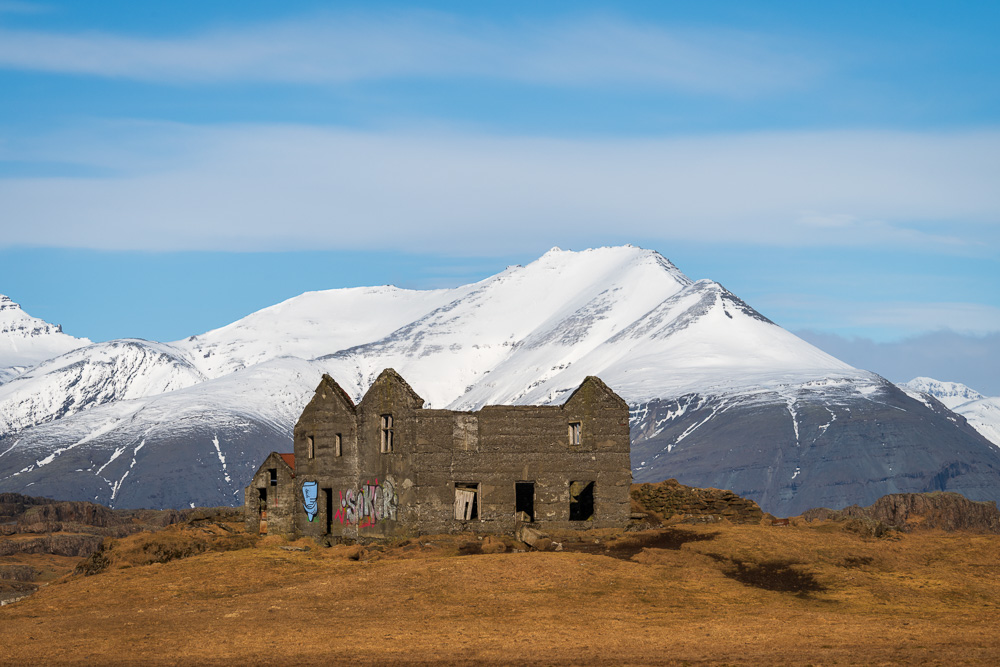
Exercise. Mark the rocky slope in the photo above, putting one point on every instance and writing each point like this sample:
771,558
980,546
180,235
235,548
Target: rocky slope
720,396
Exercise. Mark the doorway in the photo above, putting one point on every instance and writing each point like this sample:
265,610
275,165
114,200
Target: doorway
581,501
262,511
524,499
328,505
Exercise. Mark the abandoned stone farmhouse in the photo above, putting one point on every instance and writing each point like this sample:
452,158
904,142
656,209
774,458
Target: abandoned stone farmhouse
388,467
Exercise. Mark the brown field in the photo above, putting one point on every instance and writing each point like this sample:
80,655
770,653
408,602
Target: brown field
684,594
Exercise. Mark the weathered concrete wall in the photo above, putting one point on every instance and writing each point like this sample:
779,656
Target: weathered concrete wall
278,506
371,490
329,414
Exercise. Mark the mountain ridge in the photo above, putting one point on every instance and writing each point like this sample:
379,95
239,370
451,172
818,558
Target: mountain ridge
26,340
133,422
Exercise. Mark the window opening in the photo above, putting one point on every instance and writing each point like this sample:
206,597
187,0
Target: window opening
574,433
581,501
524,499
466,501
310,446
387,432
338,449
273,474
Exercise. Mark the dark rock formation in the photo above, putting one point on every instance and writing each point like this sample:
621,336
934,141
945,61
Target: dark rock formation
26,514
915,511
59,545
671,497
17,572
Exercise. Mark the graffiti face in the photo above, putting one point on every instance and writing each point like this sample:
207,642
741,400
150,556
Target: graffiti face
310,491
368,504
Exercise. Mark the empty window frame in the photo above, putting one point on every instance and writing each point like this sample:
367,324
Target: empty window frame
581,501
466,501
387,434
310,447
273,476
338,445
574,433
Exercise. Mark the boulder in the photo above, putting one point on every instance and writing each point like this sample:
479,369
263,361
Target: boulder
534,538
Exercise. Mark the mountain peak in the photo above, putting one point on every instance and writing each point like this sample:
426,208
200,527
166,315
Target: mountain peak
27,340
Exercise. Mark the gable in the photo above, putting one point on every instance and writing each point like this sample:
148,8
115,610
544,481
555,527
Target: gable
593,392
390,388
329,397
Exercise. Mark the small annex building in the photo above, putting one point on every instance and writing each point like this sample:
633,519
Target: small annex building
388,467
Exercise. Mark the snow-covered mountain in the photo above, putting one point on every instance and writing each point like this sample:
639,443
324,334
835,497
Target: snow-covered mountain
951,394
984,416
720,395
26,340
982,413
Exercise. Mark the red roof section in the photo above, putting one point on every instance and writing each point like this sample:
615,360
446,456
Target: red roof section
289,459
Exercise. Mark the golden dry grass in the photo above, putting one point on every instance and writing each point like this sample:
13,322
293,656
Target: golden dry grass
920,598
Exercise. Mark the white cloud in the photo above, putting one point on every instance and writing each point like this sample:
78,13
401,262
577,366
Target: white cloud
335,49
270,187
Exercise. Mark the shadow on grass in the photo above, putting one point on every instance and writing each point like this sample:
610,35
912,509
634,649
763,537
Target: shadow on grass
629,545
856,561
771,575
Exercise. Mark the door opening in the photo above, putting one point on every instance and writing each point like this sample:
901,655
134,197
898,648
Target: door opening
328,506
581,501
524,499
262,511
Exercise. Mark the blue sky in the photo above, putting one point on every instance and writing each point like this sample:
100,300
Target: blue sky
166,168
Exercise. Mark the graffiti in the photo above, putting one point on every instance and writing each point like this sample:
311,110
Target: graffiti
309,494
368,505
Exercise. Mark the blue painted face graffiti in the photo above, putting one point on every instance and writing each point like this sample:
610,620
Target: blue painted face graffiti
310,491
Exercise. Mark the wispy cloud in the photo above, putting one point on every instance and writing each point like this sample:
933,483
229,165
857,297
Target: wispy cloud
15,7
262,187
332,49
969,318
889,318
942,355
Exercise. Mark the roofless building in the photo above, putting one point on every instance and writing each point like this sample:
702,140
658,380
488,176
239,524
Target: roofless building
388,467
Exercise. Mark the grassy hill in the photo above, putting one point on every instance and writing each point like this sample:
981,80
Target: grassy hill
819,592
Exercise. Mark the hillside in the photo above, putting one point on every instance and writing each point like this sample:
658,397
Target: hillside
686,592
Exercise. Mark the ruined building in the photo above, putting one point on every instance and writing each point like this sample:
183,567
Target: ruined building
388,467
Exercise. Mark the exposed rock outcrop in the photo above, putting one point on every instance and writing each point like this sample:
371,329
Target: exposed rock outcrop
26,514
914,511
670,498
